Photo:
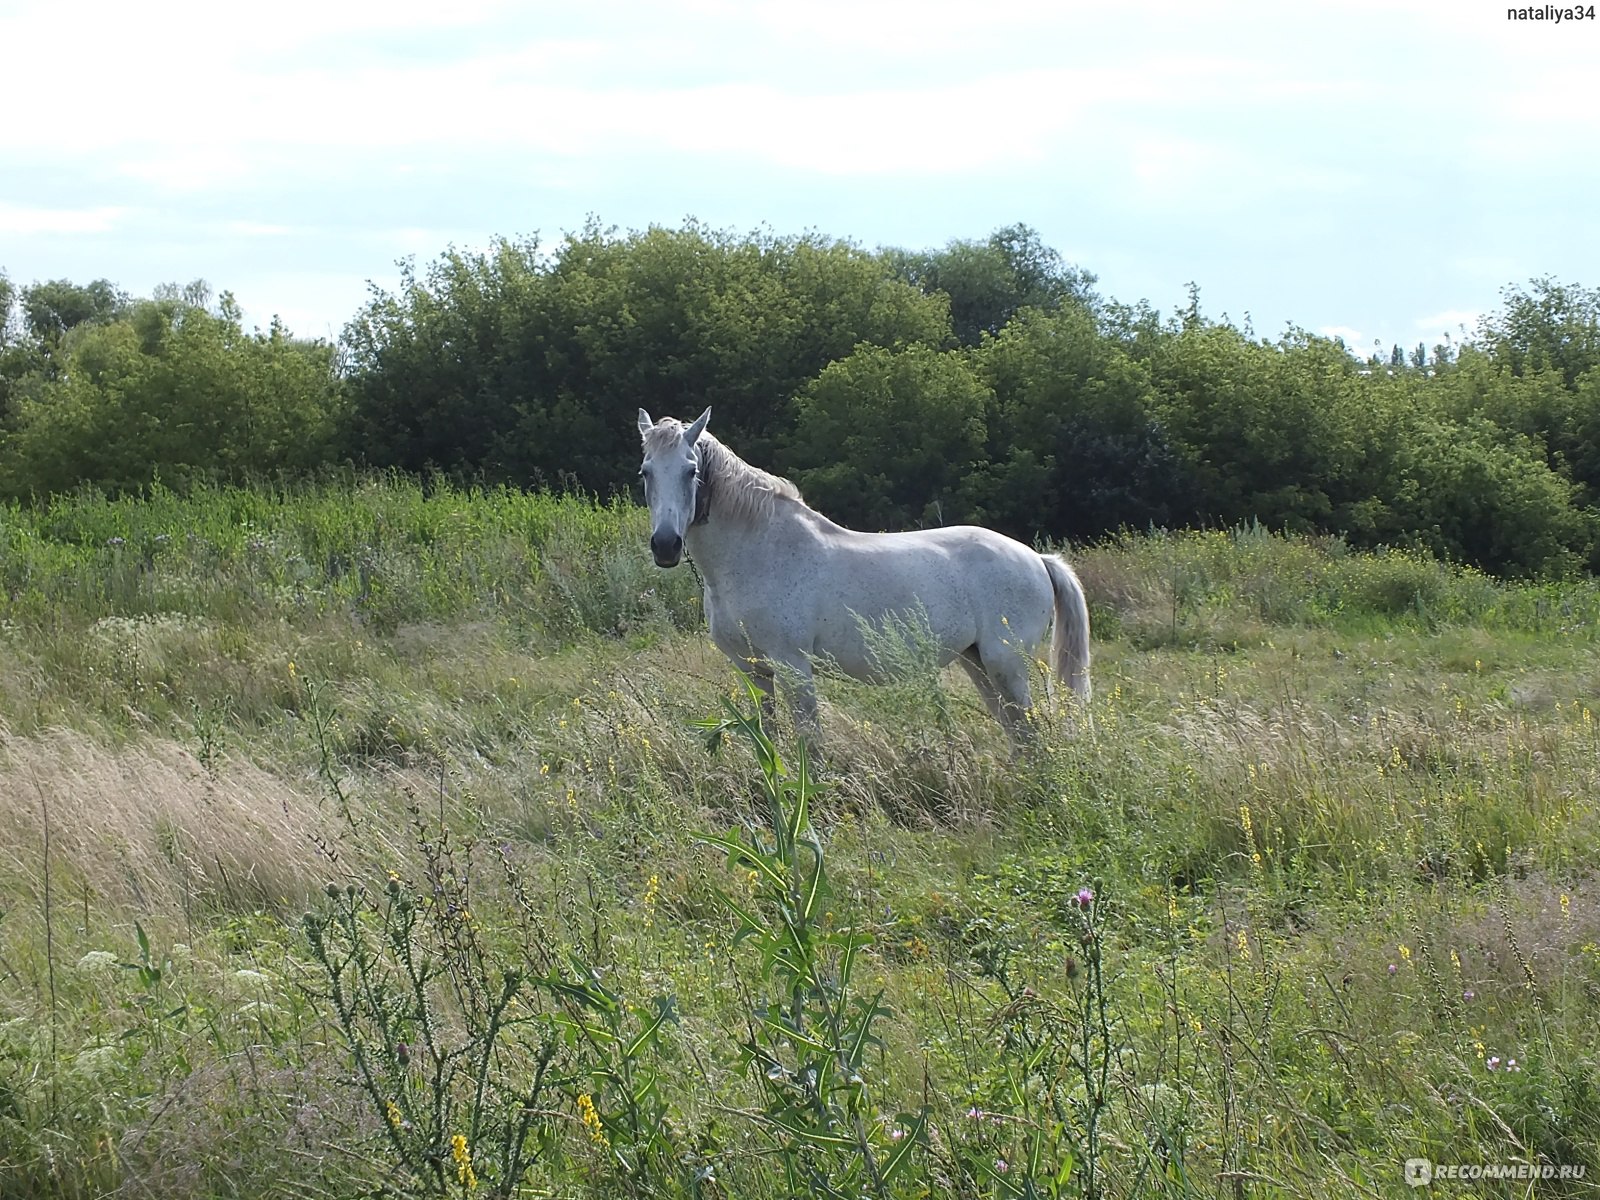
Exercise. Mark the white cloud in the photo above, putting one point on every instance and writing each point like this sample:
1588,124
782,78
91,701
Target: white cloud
23,220
255,229
1352,338
1450,321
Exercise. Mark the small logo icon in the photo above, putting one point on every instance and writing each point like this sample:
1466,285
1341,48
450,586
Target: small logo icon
1419,1172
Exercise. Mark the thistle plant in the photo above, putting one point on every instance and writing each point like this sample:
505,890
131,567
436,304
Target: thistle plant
1041,1133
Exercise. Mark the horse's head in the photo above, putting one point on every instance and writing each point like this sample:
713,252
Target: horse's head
671,474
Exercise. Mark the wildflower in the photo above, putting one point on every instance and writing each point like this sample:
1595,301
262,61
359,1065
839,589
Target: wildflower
1393,968
591,1120
1511,1065
896,1134
1001,1166
1494,1062
1244,945
974,1113
463,1160
1566,906
97,961
1469,995
1405,952
651,891
1083,899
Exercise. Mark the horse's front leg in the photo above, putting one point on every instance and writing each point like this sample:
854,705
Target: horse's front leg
800,689
759,671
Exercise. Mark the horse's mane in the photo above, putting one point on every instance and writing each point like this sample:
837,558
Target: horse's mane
738,490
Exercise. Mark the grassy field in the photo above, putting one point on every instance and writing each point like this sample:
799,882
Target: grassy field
365,839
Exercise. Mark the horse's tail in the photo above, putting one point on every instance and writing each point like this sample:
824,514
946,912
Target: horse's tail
1069,643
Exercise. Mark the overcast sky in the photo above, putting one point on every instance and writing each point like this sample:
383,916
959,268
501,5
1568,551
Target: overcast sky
1377,170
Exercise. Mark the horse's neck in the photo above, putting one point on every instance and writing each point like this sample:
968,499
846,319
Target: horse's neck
718,547
725,544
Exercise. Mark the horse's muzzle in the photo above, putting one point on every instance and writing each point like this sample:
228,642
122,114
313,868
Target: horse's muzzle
667,549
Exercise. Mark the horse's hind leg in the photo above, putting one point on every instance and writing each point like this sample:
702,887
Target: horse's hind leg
1002,681
980,679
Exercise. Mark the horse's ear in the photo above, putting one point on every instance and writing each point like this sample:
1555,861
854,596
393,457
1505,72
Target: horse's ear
645,423
692,434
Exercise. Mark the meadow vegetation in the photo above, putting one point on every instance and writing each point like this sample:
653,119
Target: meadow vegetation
985,382
366,837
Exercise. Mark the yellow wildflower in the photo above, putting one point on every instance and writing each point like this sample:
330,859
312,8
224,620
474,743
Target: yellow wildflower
463,1160
651,891
591,1120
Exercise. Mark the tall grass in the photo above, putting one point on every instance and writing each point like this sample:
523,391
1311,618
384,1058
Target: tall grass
1280,917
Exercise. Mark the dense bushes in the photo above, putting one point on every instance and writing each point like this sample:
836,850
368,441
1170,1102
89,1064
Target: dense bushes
982,382
166,389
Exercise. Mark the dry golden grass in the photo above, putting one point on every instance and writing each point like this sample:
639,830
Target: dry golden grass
145,827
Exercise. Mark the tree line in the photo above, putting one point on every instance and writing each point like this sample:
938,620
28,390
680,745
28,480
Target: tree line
987,381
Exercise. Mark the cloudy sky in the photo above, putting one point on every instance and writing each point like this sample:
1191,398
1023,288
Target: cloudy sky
1376,169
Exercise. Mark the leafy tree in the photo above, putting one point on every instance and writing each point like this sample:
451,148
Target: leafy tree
50,309
1550,326
529,366
885,438
8,299
174,391
1269,433
1075,445
1475,497
989,282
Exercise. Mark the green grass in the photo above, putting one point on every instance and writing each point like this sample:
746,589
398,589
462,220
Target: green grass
1338,812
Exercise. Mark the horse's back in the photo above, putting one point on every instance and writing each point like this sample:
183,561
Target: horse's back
970,584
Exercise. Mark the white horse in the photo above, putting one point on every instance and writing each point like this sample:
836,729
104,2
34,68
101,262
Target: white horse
785,586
